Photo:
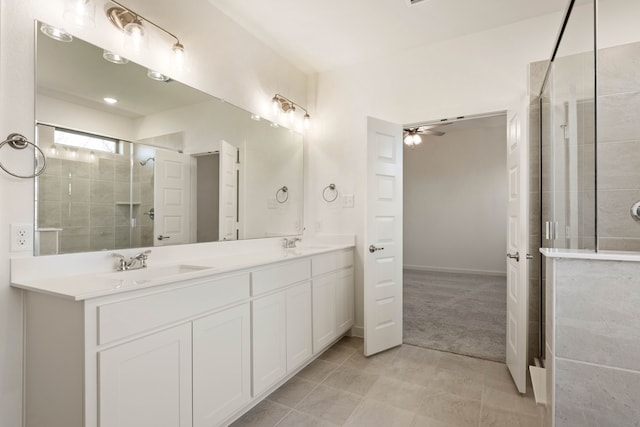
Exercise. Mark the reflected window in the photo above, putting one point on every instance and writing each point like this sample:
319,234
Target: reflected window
86,141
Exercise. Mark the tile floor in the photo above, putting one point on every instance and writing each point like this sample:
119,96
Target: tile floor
459,313
404,386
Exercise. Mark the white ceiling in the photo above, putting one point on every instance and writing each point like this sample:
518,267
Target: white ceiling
319,35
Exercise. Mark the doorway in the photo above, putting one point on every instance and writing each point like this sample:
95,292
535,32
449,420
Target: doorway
455,196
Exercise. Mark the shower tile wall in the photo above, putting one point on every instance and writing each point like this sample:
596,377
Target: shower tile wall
88,198
618,146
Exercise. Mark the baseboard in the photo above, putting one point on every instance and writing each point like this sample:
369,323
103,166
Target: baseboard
455,270
357,331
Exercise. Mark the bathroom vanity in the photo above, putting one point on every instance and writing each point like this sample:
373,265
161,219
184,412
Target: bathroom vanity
191,344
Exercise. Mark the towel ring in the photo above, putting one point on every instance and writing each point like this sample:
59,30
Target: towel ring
330,187
20,142
285,191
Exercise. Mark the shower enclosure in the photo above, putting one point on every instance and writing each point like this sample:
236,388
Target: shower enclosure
588,112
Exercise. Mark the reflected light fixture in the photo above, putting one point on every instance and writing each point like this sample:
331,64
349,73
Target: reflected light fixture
131,23
288,107
114,57
255,117
56,33
80,13
110,100
156,75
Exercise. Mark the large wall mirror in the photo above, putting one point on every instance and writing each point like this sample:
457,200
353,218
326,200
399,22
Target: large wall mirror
135,159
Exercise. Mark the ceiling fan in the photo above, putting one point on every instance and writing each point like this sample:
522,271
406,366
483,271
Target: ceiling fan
412,135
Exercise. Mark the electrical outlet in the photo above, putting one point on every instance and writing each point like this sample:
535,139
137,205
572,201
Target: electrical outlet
21,237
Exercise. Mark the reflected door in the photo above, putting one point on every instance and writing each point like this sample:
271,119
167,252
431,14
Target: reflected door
228,192
172,198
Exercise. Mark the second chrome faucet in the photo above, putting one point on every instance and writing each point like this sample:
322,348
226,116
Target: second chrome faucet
135,262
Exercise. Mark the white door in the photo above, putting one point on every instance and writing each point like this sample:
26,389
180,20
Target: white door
172,198
228,192
517,246
268,318
299,342
147,382
383,238
221,365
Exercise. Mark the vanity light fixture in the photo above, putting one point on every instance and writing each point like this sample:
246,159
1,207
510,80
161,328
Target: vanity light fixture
131,23
288,107
114,57
56,33
80,13
156,75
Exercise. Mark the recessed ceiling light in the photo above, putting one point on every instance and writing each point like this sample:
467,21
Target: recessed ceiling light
156,75
274,125
114,57
56,33
255,117
109,100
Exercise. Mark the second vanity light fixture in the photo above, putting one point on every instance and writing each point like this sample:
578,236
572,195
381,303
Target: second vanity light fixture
131,24
288,108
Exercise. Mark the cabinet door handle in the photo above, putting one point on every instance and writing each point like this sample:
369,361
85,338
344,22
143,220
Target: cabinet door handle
373,249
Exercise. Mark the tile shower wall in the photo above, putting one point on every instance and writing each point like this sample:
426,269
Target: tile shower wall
595,342
87,196
618,146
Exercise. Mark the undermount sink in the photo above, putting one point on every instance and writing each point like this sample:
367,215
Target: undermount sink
149,274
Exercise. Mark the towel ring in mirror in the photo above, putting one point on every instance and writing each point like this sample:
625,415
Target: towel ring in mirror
20,142
282,195
330,194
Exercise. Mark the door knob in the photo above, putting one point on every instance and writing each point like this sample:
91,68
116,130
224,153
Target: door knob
516,256
161,237
372,249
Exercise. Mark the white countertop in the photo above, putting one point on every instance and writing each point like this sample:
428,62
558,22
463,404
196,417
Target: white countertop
95,284
587,254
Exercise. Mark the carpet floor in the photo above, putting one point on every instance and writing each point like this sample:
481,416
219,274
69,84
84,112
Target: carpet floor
457,313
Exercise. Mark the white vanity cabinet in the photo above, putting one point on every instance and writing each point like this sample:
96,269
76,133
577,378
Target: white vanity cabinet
281,321
333,297
147,382
191,353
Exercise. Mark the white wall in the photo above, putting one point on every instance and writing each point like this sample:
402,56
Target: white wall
479,73
225,61
455,200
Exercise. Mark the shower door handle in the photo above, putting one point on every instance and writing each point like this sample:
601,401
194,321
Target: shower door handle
516,256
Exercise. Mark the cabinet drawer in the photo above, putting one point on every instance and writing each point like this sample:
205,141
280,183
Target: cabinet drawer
273,278
121,319
325,263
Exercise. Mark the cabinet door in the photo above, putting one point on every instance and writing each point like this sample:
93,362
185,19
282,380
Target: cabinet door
324,312
221,365
147,382
345,304
298,325
269,341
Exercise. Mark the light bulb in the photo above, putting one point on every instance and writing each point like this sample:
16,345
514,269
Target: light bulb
156,75
179,55
291,114
80,13
275,104
306,121
416,139
408,139
134,36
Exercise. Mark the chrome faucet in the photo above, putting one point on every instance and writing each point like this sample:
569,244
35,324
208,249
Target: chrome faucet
290,243
140,259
